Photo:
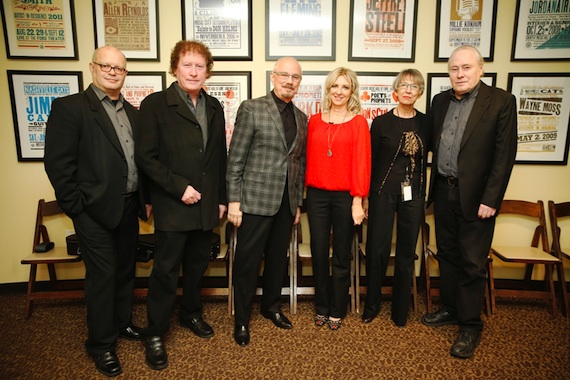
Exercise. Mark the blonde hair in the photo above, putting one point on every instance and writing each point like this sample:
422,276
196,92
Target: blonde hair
353,104
416,76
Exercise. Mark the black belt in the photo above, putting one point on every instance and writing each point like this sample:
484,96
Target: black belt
450,181
128,195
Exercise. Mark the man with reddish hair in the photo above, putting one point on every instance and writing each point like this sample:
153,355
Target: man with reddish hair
181,148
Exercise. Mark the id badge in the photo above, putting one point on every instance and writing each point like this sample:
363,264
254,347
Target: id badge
406,190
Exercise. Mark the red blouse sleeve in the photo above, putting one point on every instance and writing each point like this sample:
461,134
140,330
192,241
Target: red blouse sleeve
362,158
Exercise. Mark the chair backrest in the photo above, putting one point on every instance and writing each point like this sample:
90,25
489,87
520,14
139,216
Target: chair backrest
50,208
556,211
533,210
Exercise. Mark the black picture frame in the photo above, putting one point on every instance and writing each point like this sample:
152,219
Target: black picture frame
543,113
140,84
231,38
368,44
438,80
470,23
231,88
31,95
139,41
51,34
286,32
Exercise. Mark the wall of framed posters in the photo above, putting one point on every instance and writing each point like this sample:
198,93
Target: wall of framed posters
400,33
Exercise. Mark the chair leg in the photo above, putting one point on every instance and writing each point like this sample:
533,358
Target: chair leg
357,280
563,291
550,283
414,291
429,305
491,285
31,285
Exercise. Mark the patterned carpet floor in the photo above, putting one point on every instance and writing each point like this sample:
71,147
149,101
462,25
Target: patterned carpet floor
520,341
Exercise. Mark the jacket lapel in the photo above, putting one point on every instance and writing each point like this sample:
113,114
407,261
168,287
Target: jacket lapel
173,99
102,119
481,103
273,112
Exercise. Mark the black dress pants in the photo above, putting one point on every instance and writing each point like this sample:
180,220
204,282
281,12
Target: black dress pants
261,237
110,259
462,249
327,209
409,214
191,249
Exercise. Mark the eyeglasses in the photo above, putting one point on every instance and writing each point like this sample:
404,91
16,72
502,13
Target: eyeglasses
284,76
107,68
405,86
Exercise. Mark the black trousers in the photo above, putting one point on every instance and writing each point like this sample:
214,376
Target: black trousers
382,210
462,249
191,249
110,260
258,238
327,209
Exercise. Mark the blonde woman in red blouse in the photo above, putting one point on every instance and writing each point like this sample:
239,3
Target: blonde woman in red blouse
337,179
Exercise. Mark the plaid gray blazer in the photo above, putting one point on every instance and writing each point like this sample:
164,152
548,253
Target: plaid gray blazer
259,162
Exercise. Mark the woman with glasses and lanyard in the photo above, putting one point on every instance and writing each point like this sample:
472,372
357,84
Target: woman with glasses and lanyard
337,180
400,142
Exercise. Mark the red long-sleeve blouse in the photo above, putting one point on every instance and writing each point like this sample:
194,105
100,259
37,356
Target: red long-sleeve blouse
348,167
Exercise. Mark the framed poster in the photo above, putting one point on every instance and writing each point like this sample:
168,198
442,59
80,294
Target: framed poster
39,30
129,25
542,31
224,26
376,94
301,29
382,30
139,84
309,96
230,88
31,94
439,82
543,112
463,22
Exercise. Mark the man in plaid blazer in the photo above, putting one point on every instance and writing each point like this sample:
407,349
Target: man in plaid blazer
265,177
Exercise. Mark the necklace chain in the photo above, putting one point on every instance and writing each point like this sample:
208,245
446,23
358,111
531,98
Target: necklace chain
329,140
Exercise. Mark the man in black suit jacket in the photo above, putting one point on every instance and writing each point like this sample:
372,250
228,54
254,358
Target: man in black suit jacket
181,148
89,158
475,143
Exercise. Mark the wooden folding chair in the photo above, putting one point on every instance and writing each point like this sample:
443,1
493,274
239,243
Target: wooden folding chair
57,255
517,213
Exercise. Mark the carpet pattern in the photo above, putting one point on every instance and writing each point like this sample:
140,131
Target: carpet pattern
520,341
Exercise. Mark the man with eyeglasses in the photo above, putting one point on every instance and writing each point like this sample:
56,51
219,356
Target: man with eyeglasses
89,158
265,178
181,148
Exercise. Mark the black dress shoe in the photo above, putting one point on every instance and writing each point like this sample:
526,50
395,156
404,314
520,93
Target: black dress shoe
241,335
198,327
156,356
465,344
439,318
131,332
108,364
278,319
367,318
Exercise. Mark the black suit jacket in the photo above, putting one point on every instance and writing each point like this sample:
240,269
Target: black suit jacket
488,148
84,159
170,151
